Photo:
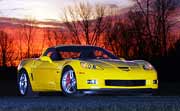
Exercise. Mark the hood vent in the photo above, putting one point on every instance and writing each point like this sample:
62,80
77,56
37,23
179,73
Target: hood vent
124,68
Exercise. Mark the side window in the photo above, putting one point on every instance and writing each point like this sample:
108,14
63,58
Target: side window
54,55
67,55
49,54
100,55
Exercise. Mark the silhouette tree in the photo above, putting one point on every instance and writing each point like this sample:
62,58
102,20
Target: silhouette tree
112,36
158,21
55,36
118,36
85,22
28,35
177,49
19,35
137,30
164,10
6,48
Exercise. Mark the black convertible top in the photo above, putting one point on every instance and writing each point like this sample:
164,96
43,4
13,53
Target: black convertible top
84,49
75,48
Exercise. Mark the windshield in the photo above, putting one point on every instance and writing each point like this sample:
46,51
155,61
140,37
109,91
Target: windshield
80,52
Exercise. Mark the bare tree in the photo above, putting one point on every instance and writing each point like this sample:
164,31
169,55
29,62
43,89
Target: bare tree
164,10
157,16
6,48
125,30
138,32
83,20
112,36
118,36
28,36
59,37
48,37
55,36
19,35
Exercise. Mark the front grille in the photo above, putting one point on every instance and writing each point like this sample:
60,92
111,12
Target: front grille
125,82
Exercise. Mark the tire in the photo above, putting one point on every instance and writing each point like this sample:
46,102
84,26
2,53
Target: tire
24,86
69,83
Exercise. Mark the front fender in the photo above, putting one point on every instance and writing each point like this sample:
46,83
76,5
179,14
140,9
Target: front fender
27,66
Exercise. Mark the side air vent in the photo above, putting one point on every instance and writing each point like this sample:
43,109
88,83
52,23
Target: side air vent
124,68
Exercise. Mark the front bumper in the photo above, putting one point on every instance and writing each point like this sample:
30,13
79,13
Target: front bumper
97,79
119,91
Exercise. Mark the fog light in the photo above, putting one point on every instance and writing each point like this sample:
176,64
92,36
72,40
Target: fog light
91,82
155,81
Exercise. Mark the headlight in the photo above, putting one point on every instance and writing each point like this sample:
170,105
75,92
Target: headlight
89,66
148,66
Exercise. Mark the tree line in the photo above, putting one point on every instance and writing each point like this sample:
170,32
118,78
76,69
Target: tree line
144,32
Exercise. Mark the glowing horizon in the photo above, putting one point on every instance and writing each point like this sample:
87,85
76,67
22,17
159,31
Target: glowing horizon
49,10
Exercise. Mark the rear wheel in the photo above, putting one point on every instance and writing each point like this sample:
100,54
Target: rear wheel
69,83
24,86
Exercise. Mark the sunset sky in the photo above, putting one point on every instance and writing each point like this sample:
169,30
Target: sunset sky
47,9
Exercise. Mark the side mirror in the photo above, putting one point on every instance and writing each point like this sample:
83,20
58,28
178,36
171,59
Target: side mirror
121,58
46,58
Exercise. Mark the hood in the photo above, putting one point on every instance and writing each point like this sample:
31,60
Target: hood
109,63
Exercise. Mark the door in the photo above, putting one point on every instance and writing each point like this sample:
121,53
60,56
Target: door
44,74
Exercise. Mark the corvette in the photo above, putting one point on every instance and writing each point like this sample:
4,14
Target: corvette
76,69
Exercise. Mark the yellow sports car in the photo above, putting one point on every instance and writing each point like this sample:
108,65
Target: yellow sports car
76,70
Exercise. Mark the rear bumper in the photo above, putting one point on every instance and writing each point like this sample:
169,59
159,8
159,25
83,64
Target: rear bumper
119,91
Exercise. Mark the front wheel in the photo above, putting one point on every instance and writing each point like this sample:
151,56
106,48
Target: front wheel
69,83
24,86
